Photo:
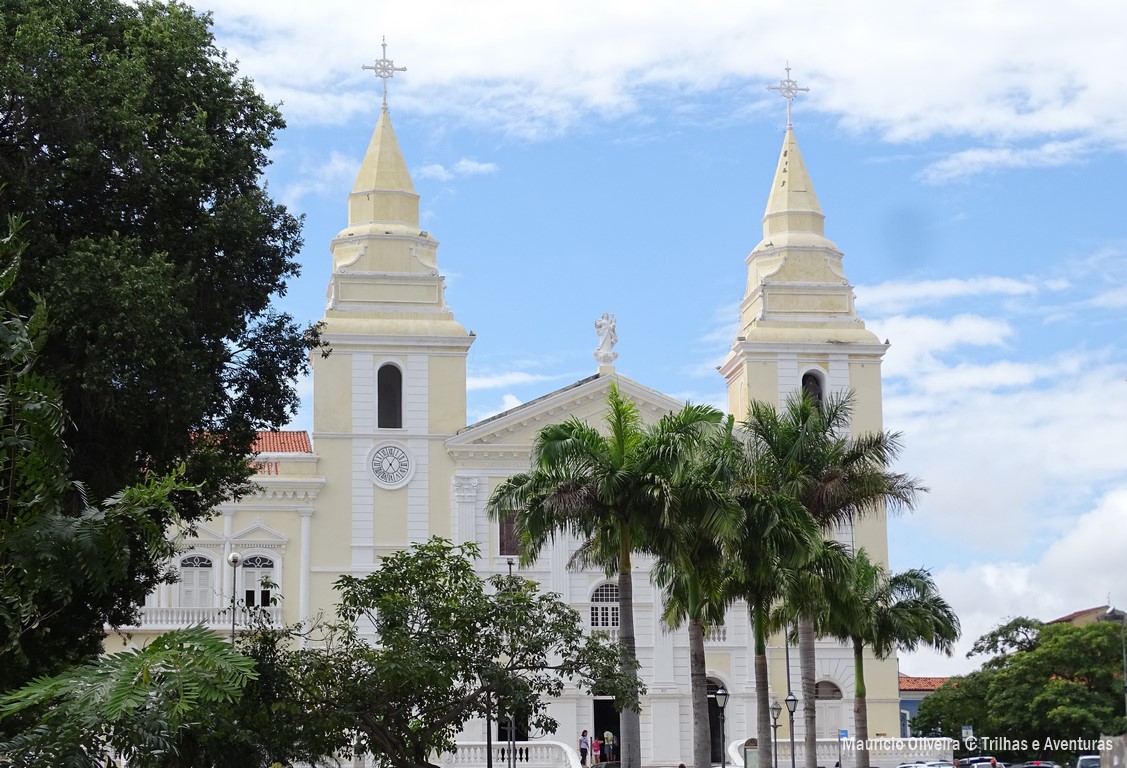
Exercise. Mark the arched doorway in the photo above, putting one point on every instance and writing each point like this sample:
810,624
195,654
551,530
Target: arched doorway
714,721
827,703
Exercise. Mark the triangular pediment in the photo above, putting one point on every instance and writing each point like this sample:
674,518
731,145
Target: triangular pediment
516,429
260,532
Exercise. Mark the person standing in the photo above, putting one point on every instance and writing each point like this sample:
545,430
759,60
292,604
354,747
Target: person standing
596,750
584,747
609,746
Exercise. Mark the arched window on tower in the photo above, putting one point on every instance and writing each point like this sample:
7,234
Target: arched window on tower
812,386
389,397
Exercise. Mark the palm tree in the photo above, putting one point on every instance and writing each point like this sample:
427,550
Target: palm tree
886,611
805,452
690,565
612,490
778,541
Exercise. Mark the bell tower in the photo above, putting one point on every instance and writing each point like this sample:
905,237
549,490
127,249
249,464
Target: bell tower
394,386
799,329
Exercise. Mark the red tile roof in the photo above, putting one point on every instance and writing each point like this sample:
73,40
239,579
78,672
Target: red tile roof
287,441
909,683
1079,614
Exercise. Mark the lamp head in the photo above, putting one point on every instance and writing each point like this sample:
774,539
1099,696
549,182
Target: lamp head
792,702
776,709
234,559
721,697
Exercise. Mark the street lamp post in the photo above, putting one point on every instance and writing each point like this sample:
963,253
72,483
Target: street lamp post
488,730
776,710
721,702
512,717
792,704
234,559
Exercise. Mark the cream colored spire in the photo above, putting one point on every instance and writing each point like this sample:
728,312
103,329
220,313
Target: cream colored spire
792,205
383,191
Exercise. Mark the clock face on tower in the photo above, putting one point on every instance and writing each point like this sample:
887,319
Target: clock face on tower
391,465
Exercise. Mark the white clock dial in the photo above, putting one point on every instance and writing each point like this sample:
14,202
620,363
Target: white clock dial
390,465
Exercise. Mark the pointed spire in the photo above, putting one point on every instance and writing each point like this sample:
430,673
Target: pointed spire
792,205
383,190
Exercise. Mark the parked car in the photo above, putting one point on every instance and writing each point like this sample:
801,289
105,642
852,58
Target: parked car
1088,761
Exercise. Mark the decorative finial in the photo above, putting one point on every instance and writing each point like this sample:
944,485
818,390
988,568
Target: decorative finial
788,89
608,337
385,69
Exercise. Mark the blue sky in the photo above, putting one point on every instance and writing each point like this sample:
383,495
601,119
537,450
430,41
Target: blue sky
580,158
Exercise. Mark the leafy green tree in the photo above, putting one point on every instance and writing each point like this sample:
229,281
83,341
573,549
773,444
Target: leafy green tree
1065,686
55,548
136,152
807,453
1019,634
140,705
613,491
445,646
884,612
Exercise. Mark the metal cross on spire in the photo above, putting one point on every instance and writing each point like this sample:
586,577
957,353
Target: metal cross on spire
788,89
385,69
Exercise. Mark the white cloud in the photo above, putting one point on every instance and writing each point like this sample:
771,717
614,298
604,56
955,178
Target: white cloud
468,167
917,340
508,379
1082,569
508,402
897,296
463,167
319,177
1113,299
971,162
947,69
433,171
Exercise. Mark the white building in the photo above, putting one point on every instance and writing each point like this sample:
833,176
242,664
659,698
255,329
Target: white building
392,461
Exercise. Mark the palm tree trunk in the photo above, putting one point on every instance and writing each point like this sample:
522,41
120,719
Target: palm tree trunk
809,708
630,740
860,704
763,729
698,677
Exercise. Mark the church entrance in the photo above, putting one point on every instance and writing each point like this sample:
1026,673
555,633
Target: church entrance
607,719
714,722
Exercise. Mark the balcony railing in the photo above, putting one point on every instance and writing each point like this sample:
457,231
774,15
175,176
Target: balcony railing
610,632
174,617
527,754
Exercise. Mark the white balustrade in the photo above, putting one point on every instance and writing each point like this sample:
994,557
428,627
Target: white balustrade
174,617
526,754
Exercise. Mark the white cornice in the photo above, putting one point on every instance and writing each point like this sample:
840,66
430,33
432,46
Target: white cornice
459,343
557,405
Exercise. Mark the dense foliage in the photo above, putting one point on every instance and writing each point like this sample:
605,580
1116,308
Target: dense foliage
440,646
437,647
135,153
55,547
145,705
1046,687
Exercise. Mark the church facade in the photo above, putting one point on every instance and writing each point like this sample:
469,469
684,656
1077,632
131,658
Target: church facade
391,460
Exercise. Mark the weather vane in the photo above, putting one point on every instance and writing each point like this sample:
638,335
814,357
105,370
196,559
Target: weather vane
788,89
385,69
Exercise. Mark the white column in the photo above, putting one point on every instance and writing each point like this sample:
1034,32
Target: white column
465,511
303,609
